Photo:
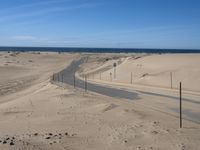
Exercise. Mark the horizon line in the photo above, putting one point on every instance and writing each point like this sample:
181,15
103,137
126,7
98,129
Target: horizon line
74,47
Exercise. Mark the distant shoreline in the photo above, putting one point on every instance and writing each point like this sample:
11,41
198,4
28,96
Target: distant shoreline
98,50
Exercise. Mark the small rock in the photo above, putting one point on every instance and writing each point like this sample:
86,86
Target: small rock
7,139
50,134
12,143
4,142
125,141
74,134
36,134
48,137
66,133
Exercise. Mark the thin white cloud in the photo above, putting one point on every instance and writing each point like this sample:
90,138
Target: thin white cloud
23,38
45,11
34,5
66,40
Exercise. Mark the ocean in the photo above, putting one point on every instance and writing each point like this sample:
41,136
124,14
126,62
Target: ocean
97,50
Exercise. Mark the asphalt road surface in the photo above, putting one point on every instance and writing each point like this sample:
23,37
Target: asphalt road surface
67,76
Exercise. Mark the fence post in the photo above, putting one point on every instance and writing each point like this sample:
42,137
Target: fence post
85,83
131,78
115,65
171,79
74,80
180,105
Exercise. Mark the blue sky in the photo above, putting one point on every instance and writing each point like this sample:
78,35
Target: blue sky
101,23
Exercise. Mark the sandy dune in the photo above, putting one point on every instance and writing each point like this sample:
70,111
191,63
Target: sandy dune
36,114
155,70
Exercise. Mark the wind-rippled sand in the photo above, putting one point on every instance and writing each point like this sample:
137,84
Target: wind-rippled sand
36,114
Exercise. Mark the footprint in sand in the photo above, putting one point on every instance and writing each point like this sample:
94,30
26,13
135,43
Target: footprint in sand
139,148
183,147
156,123
154,132
110,107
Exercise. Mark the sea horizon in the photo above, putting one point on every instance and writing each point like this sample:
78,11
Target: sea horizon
97,49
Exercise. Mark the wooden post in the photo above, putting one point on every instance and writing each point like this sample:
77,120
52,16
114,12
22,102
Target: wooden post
115,65
131,78
171,79
74,80
180,105
85,83
114,72
110,76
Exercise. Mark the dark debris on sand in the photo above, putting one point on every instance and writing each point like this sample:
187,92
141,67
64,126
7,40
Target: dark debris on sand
52,138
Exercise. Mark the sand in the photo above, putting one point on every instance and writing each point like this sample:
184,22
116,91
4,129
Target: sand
38,114
156,70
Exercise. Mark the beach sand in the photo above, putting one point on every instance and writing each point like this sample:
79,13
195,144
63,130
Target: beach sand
38,114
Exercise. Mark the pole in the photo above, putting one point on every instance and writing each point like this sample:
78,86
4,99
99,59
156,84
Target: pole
180,105
171,79
114,72
85,83
74,81
131,78
115,65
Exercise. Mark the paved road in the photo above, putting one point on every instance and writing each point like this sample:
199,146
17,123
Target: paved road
67,76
